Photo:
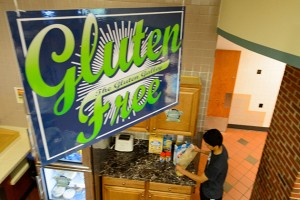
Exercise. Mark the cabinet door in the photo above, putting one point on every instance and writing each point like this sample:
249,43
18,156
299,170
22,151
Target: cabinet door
141,127
122,193
222,84
156,195
181,119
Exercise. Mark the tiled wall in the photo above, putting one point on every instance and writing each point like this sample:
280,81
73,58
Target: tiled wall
280,164
198,47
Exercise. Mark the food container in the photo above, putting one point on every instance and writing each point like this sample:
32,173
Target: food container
186,158
162,157
69,193
167,144
58,191
168,156
155,143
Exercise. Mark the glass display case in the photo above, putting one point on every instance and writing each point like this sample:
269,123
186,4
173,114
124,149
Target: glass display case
69,178
64,184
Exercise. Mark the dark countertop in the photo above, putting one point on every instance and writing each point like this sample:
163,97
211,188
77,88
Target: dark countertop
138,165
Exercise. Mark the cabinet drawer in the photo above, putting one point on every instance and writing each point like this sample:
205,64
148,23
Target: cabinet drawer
171,188
123,182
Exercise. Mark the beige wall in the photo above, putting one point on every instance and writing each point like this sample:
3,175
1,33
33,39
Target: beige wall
198,46
270,23
252,89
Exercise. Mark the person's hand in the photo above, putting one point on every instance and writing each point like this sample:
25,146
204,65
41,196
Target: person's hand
179,168
196,149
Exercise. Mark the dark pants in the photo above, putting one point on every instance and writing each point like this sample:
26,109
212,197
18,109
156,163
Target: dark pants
203,197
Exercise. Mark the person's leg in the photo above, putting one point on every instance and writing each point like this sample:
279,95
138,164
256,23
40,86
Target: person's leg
202,196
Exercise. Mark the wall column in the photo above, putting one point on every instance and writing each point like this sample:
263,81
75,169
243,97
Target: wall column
278,174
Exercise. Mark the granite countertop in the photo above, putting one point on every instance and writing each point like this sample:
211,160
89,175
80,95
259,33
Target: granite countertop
138,165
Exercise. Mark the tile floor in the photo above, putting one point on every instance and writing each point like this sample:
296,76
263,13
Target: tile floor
245,149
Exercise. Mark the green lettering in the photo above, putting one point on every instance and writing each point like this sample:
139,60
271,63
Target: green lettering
34,76
137,97
137,40
152,43
87,53
153,87
174,35
96,119
121,105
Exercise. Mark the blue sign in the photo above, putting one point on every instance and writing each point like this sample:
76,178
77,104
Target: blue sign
91,73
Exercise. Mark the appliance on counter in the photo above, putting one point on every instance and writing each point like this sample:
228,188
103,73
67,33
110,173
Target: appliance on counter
124,142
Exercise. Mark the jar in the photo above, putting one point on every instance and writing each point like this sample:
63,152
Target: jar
168,156
162,157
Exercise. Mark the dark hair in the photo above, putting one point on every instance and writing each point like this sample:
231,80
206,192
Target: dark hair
213,137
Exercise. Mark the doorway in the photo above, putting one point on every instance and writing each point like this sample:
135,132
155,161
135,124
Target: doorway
222,88
247,98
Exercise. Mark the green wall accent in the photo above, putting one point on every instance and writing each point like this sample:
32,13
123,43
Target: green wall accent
266,51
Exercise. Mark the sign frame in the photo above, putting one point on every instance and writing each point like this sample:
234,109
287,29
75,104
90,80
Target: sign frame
140,72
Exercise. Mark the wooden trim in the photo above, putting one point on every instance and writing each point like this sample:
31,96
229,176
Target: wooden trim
190,82
89,185
87,157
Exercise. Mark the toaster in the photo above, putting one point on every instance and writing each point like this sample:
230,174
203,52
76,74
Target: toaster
124,142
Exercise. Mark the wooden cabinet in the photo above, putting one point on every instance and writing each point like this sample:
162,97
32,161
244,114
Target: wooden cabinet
123,189
156,195
162,191
186,112
115,192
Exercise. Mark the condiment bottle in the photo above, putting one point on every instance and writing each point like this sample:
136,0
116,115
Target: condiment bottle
162,157
168,156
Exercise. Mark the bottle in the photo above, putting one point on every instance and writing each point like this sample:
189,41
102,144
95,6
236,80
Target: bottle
168,156
162,157
167,144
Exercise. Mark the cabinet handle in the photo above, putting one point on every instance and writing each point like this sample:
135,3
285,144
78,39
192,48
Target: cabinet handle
154,128
123,183
169,189
147,128
142,196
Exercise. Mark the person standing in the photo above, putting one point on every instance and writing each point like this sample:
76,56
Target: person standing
213,178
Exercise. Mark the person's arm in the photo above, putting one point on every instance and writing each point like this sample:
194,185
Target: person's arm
200,179
197,149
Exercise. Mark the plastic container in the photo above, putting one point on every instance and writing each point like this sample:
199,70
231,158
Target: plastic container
162,157
167,144
186,158
168,156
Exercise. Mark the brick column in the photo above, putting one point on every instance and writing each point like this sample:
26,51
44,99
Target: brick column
296,189
280,163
